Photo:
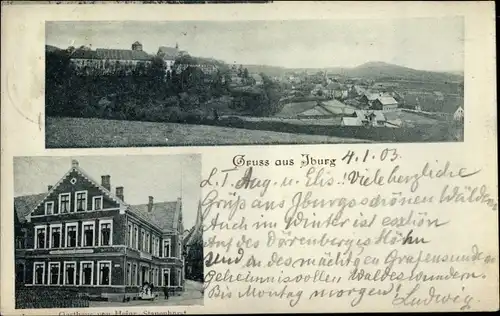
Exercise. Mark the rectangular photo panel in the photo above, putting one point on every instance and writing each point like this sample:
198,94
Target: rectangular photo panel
206,83
108,231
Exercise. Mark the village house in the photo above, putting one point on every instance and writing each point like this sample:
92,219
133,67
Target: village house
257,79
169,55
365,118
81,235
368,97
384,103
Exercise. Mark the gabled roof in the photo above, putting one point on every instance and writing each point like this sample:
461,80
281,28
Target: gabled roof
168,52
351,121
371,96
384,100
163,214
84,175
363,115
23,205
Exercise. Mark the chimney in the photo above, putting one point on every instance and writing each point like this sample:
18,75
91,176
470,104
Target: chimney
74,163
49,187
119,193
150,204
106,182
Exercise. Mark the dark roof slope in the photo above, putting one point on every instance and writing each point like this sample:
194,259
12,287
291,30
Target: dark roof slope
122,54
163,214
119,54
168,52
23,205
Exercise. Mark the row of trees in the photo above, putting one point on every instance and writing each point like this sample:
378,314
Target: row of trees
144,91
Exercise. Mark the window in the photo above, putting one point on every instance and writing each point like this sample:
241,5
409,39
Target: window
106,232
55,235
166,277
64,202
104,272
70,273
54,272
143,240
130,236
71,234
129,273
154,246
134,275
166,248
88,234
38,272
148,243
97,203
179,277
40,234
49,208
86,273
80,201
136,236
179,249
21,240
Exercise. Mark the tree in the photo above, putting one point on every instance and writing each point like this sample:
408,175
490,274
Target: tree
245,73
240,71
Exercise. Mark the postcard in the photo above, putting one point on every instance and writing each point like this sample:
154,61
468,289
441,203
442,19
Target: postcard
271,157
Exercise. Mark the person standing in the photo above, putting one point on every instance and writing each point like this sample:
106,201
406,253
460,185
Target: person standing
165,291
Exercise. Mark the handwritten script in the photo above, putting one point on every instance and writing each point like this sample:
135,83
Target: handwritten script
302,229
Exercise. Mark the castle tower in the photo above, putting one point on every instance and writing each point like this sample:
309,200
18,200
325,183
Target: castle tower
137,46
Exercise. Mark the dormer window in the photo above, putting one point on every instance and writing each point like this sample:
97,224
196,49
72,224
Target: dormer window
64,202
97,203
80,201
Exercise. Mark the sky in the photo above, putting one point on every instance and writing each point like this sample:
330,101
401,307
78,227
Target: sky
420,43
164,177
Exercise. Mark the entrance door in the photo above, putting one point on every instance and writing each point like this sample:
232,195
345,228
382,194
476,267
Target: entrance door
143,275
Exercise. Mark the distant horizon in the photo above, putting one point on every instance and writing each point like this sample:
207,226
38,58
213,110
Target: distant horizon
291,44
292,68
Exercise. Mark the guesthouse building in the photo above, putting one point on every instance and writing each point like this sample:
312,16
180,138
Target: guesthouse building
82,235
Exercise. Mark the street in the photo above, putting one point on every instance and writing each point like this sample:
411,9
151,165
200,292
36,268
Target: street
191,296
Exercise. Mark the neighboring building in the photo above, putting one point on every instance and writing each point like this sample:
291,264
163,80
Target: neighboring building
365,118
459,114
169,55
385,103
109,60
368,97
193,246
80,235
257,79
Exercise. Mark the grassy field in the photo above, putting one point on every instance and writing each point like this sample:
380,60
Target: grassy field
89,133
